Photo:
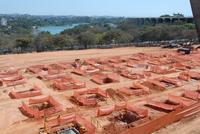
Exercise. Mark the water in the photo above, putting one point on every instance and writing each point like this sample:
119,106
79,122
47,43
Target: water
56,29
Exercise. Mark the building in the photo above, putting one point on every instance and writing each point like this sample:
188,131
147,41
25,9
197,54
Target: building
4,22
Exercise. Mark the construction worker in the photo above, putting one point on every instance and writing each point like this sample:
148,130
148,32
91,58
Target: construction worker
77,63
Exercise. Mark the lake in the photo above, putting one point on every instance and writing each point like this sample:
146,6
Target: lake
56,29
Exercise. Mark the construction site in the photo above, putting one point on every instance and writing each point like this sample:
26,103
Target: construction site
127,90
136,90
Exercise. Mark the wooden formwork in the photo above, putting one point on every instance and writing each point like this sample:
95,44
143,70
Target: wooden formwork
162,83
109,71
136,89
31,112
167,119
35,91
105,78
142,113
86,127
80,96
162,70
86,70
135,76
67,83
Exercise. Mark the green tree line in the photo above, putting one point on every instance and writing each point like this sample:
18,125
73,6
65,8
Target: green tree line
19,37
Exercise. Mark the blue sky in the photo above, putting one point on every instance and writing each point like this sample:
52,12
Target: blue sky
129,8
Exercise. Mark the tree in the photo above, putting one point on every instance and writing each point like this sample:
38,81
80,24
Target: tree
23,43
63,41
111,36
86,39
70,41
117,36
125,38
43,41
178,15
165,16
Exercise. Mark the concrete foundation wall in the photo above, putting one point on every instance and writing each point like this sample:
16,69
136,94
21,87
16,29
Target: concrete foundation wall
196,13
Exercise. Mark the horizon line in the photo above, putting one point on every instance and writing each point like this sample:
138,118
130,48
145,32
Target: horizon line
114,16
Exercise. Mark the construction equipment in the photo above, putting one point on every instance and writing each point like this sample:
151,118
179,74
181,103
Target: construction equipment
184,50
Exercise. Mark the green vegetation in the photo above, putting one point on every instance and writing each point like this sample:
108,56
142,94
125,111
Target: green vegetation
18,36
177,15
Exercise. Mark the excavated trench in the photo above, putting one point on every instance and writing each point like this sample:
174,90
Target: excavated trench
107,80
127,117
42,106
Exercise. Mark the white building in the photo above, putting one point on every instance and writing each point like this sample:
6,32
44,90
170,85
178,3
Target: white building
4,22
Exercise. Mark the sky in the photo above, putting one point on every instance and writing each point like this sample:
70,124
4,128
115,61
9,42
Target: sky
126,8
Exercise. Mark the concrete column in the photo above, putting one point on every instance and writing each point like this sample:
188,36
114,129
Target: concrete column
196,13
